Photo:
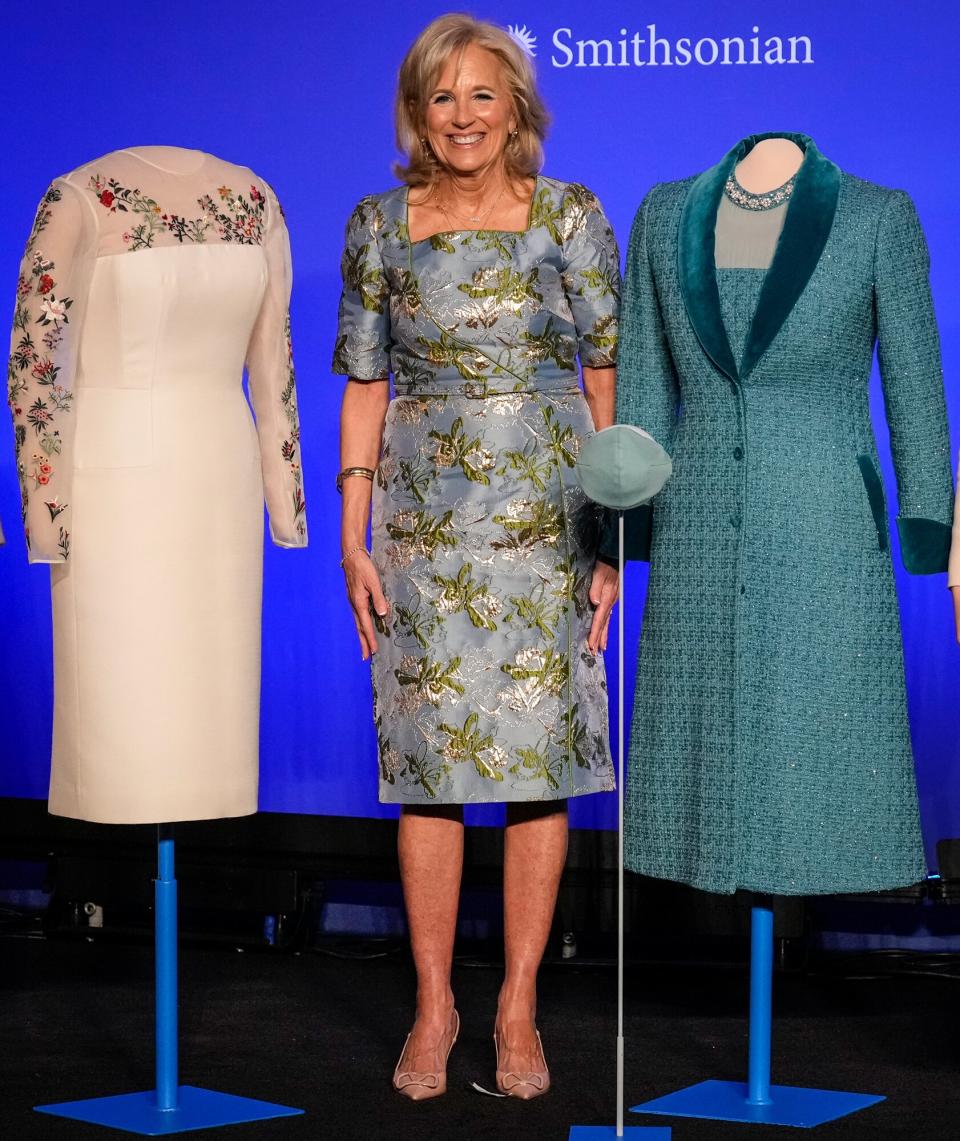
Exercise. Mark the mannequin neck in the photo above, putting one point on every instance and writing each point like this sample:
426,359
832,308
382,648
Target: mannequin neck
770,164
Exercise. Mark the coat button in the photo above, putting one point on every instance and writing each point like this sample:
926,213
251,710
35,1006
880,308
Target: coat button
738,453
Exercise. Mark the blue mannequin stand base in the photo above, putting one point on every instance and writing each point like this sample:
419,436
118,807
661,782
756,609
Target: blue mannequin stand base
612,1132
609,1133
195,1109
170,1108
756,1100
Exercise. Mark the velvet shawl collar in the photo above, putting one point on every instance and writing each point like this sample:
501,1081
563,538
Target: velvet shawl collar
805,230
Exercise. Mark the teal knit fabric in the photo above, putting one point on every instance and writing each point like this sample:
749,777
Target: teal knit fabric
770,744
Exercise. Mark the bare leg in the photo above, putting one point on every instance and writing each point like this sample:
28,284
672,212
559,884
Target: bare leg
535,850
430,845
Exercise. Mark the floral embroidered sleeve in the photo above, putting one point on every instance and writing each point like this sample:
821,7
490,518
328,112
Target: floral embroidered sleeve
591,276
273,390
363,334
51,292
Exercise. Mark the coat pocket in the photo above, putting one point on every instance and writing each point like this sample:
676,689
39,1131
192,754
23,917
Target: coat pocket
874,488
114,428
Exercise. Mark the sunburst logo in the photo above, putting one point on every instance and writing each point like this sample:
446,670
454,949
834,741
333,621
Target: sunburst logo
524,37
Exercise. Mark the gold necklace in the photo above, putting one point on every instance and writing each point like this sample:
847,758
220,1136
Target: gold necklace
477,219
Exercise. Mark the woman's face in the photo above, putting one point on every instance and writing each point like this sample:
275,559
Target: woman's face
469,114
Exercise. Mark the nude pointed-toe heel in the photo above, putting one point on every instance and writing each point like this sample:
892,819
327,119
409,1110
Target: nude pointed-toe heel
420,1085
525,1084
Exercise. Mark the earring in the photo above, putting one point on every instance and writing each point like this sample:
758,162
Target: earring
514,137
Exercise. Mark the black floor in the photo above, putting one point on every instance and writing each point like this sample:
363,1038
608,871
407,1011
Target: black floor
323,1033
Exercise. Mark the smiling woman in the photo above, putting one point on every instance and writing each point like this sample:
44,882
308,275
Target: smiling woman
477,284
505,87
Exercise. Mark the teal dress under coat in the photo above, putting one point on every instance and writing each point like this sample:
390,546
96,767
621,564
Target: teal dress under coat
484,689
770,746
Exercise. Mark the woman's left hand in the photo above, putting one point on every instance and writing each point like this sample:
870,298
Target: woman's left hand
604,588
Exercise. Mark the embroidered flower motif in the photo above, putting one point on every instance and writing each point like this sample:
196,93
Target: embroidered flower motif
53,310
45,370
45,284
41,472
55,507
39,414
107,199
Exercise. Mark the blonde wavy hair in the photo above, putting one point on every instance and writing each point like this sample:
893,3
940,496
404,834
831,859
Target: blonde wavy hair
419,72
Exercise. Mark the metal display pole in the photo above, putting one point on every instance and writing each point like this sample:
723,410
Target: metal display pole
596,1132
170,1107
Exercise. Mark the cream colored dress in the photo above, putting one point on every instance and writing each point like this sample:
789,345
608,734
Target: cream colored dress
150,278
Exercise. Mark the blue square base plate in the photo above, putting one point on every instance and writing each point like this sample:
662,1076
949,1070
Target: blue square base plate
609,1133
196,1109
789,1105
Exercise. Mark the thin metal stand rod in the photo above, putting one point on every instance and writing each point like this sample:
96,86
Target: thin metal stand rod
620,794
165,940
761,1005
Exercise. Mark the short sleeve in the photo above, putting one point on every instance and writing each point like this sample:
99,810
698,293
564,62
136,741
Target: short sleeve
51,298
363,333
591,276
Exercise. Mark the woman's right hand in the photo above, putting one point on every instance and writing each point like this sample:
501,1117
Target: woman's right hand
365,593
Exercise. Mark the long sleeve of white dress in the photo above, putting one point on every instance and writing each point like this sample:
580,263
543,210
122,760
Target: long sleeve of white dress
51,296
273,392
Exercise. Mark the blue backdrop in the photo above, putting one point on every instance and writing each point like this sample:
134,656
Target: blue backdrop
303,94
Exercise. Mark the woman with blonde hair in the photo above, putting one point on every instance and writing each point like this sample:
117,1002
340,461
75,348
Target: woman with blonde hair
477,283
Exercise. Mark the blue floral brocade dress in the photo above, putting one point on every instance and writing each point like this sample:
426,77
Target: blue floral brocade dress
484,689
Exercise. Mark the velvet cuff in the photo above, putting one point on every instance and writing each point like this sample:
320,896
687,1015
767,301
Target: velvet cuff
637,535
924,545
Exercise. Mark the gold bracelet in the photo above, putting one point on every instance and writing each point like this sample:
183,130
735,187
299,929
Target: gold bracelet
367,473
353,551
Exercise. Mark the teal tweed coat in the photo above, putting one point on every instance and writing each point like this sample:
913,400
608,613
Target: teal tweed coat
770,746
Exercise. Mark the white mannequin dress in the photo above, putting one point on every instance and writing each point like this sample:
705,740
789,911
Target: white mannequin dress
150,278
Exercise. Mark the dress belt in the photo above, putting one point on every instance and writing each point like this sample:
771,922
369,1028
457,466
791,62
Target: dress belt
474,391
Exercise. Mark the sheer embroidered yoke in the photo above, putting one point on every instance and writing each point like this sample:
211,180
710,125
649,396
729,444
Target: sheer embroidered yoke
123,205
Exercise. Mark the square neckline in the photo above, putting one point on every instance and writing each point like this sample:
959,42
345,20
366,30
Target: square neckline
411,242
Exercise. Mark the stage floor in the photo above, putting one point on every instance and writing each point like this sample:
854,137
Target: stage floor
322,1033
